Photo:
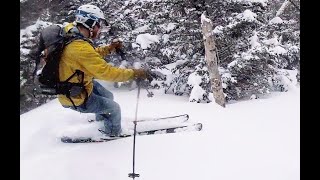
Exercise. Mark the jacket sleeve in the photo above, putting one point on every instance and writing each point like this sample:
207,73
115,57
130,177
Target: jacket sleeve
97,67
103,50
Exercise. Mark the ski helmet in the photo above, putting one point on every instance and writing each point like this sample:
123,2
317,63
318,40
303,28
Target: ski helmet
89,15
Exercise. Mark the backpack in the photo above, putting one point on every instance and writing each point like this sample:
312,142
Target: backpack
51,42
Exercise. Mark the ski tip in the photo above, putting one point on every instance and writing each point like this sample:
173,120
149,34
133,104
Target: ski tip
66,139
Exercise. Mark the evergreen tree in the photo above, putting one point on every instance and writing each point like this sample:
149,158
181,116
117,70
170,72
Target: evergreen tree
255,46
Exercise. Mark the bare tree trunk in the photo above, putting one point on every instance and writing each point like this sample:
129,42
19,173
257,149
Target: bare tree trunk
282,8
212,60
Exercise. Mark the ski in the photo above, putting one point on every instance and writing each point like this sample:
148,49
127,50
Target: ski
182,118
176,129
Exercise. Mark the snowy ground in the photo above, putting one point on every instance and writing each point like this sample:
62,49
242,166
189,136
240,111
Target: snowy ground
249,140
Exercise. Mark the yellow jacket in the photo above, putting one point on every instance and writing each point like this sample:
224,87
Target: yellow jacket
80,55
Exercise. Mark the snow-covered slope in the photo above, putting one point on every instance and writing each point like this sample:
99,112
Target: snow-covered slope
257,139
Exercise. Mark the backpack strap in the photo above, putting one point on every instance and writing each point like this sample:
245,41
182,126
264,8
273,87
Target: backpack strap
68,94
78,73
85,91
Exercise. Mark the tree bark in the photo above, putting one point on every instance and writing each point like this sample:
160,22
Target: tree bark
282,8
211,57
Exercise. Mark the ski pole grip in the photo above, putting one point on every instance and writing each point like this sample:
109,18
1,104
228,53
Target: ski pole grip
138,81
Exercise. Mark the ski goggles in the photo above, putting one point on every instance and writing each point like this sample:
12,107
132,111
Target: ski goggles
88,15
92,17
93,20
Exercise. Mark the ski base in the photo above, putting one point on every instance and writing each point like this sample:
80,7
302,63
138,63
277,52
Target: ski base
193,127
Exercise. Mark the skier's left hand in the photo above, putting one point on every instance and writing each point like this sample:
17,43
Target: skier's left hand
149,75
142,74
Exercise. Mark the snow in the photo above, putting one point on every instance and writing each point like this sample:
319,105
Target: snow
132,1
232,63
254,41
294,48
247,15
218,30
247,140
24,51
179,62
263,2
196,93
141,29
247,56
278,50
276,20
273,41
167,52
204,18
165,38
171,26
154,60
126,12
168,27
145,40
135,45
288,77
194,79
226,76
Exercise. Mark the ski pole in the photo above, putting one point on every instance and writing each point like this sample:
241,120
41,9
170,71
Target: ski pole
133,174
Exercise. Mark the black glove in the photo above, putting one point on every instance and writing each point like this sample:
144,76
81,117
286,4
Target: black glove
116,44
141,74
149,75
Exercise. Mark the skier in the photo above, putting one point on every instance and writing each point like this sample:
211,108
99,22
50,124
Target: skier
82,56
